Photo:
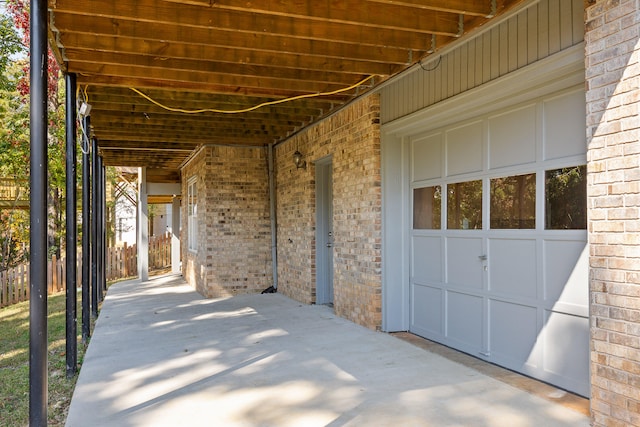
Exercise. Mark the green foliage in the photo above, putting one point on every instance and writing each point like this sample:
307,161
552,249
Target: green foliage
566,196
10,47
14,161
14,132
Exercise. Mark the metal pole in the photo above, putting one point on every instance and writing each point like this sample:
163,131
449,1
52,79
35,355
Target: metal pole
104,225
71,225
86,233
99,227
94,227
38,383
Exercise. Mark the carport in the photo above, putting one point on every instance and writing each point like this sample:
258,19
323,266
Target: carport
298,132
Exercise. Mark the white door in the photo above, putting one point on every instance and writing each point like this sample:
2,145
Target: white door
498,264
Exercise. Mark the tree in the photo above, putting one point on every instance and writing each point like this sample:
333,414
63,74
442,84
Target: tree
14,136
14,143
10,46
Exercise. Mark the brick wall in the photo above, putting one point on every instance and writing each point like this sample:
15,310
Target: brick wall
352,138
192,261
613,99
234,228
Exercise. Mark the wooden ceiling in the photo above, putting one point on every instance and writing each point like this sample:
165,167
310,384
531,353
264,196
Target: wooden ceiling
139,62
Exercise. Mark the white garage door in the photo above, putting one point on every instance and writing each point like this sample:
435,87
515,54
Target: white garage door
498,239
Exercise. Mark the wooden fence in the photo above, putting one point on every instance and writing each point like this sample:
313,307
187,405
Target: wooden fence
14,283
121,264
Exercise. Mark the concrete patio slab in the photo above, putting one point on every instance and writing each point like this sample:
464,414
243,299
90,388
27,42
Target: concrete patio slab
162,355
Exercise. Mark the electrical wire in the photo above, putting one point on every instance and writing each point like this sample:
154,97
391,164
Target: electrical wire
432,68
84,144
255,107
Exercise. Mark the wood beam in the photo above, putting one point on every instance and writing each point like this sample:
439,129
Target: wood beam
175,69
163,50
187,17
387,15
168,33
459,7
141,78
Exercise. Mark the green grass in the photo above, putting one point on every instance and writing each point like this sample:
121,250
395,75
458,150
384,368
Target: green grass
14,364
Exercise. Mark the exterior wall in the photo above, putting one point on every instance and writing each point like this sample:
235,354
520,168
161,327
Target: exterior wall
613,123
234,229
193,262
542,29
352,138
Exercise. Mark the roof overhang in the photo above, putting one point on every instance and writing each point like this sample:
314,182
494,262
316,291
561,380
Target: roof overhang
164,77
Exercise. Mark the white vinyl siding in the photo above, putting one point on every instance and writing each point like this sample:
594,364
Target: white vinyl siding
536,32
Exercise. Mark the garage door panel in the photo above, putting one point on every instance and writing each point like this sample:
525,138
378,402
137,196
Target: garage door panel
427,259
512,267
464,149
564,335
564,125
426,157
512,137
465,320
426,311
566,270
513,331
464,268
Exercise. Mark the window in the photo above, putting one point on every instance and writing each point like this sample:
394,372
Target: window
192,214
513,202
566,198
464,205
427,208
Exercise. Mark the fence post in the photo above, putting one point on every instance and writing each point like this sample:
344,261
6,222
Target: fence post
53,277
2,288
23,284
124,260
12,294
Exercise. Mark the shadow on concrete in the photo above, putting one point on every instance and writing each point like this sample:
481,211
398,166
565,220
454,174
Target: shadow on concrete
161,355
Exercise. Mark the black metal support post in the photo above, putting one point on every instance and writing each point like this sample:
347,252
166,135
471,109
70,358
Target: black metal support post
104,226
94,227
99,227
38,383
86,232
71,225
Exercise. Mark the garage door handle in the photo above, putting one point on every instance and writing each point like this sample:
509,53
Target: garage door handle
482,257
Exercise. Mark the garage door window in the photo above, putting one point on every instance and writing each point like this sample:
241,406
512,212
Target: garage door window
513,202
427,208
464,205
566,198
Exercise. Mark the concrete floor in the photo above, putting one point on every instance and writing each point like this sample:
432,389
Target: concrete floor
161,355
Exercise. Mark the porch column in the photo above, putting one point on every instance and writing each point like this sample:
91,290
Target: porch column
143,226
175,235
71,225
86,232
94,226
612,47
38,383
